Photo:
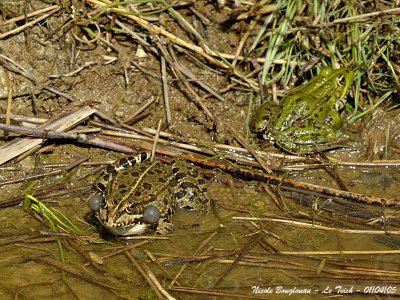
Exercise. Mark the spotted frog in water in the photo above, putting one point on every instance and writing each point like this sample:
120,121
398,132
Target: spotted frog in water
137,194
307,120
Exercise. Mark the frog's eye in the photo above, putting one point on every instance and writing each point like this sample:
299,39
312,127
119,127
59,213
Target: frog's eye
96,201
151,214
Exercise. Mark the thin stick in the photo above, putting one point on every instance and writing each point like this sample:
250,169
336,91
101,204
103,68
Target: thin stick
202,245
164,81
178,67
19,118
16,68
318,227
136,37
246,145
9,99
196,98
241,253
189,74
139,117
392,11
150,278
46,195
340,252
30,15
29,24
117,251
153,150
247,34
79,138
303,187
32,177
75,72
82,253
157,30
264,9
140,110
82,274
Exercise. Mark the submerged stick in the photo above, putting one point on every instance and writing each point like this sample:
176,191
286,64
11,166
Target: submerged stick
150,277
82,274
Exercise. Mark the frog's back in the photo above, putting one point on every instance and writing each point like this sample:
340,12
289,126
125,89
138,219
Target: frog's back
140,184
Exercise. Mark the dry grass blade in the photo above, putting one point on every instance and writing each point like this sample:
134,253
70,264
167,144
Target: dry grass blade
18,69
340,252
165,91
29,24
319,227
82,274
157,30
10,85
241,253
390,11
156,138
46,194
150,278
246,145
29,15
82,253
203,244
62,122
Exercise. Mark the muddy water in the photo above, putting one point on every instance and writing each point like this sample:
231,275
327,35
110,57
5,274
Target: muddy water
274,256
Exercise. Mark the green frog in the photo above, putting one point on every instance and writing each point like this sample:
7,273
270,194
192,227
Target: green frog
136,194
307,120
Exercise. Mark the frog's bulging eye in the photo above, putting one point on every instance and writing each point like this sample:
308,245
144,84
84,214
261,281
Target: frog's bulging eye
95,202
151,214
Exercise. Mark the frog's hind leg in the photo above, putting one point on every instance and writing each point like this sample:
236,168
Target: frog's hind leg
190,190
309,139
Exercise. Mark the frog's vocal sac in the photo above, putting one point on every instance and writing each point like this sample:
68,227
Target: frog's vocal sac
136,194
308,119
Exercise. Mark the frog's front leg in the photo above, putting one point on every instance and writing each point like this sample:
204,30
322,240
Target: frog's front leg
308,139
164,226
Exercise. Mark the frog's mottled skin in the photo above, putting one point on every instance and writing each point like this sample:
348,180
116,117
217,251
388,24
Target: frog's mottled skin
307,120
134,186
